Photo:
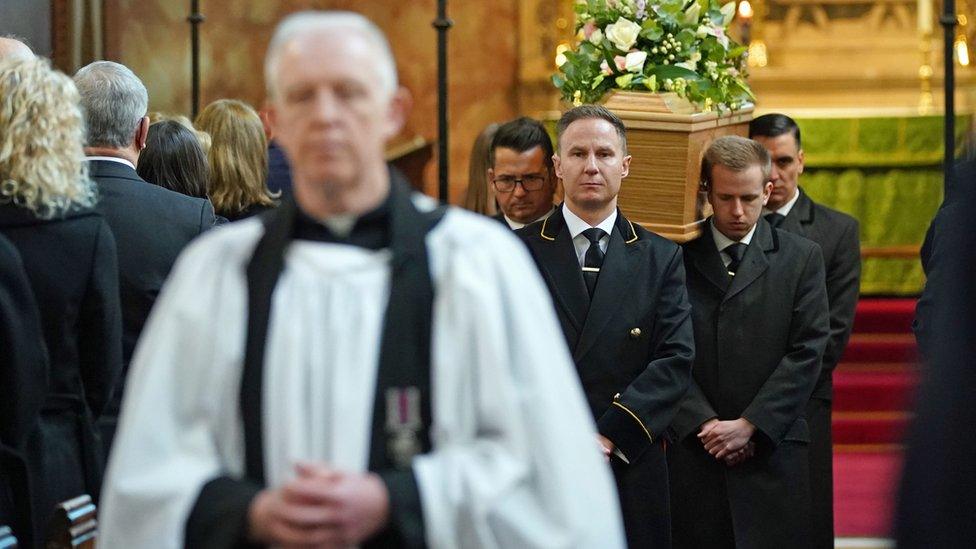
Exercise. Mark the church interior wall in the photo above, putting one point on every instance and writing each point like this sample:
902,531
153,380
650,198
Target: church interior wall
153,38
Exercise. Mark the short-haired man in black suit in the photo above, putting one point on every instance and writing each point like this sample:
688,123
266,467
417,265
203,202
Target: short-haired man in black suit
791,209
151,224
520,169
739,467
621,299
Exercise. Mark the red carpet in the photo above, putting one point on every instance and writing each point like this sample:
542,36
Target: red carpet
863,492
873,389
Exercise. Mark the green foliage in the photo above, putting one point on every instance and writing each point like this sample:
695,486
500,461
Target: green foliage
686,46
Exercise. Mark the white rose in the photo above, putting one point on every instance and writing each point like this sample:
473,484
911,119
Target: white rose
635,61
623,34
596,37
728,11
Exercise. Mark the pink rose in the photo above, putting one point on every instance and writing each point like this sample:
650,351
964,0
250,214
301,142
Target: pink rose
621,62
588,28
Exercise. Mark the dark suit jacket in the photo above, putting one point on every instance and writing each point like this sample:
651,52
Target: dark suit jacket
760,337
23,386
279,171
838,236
72,268
151,226
500,217
633,348
938,485
936,255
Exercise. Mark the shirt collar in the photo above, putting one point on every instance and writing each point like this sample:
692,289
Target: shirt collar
784,210
515,225
112,159
576,225
722,241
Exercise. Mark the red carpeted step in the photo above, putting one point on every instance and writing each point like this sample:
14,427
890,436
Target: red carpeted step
869,427
874,389
881,348
884,315
865,484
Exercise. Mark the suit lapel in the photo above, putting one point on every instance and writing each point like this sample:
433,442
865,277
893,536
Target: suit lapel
754,262
800,216
621,261
706,258
560,266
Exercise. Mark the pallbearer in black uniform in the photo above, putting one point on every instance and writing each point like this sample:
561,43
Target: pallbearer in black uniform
791,209
620,294
739,467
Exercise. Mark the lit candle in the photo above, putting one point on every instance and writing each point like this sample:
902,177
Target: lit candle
925,16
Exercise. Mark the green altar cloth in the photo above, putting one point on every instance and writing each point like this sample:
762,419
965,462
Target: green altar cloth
886,172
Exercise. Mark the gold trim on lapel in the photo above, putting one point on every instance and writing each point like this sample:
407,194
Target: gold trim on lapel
633,232
545,222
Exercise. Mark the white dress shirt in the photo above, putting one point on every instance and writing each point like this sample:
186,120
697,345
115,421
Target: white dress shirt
112,159
784,210
722,242
576,227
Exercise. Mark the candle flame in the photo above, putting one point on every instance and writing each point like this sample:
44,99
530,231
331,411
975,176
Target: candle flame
745,9
962,51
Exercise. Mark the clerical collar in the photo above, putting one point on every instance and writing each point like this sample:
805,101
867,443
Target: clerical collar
722,241
784,210
515,225
576,225
371,230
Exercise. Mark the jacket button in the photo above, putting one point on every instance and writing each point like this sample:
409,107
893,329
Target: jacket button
635,333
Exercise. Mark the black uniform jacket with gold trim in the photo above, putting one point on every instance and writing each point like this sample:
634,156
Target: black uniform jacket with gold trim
633,344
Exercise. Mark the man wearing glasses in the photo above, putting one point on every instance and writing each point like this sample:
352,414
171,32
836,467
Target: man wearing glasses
521,172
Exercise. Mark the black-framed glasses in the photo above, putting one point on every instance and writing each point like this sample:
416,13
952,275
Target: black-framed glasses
507,183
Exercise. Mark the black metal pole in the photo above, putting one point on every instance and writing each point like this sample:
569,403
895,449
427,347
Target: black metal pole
948,21
195,19
442,24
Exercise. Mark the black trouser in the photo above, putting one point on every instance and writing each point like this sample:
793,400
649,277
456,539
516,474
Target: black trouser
821,474
645,498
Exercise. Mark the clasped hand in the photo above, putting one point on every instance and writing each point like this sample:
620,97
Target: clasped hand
729,441
320,508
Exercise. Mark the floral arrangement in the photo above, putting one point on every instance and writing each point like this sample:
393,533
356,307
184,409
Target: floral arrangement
678,46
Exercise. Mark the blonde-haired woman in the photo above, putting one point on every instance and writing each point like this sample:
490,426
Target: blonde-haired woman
69,256
238,159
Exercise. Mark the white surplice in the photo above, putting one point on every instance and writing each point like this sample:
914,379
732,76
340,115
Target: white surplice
515,462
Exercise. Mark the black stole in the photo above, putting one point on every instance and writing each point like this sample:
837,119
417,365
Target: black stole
404,365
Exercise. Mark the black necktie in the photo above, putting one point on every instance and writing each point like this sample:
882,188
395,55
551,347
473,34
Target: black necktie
593,259
775,219
735,250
